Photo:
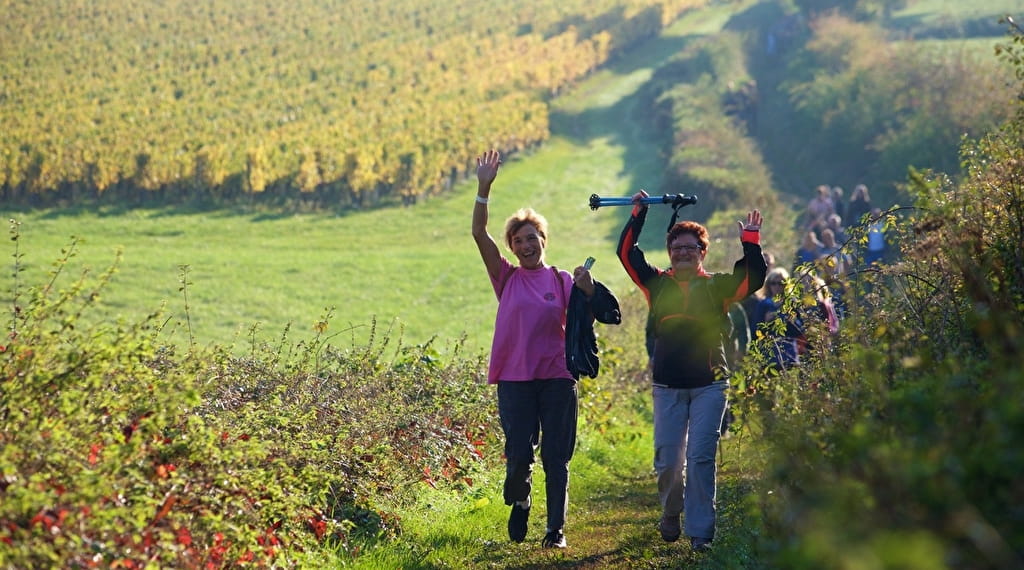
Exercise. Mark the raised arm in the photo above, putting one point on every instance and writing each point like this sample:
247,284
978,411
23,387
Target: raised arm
749,271
486,171
629,252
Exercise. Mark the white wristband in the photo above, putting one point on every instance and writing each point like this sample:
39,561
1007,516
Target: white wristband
481,200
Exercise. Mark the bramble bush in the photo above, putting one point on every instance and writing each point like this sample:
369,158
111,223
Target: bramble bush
116,451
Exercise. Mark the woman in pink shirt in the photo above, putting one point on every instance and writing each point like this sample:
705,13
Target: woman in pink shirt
536,391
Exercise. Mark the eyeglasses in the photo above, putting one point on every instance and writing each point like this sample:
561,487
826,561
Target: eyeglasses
775,282
686,248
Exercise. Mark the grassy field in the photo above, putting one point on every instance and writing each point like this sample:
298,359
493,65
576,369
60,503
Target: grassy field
957,11
415,270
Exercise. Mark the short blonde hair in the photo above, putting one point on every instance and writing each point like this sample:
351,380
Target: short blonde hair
522,217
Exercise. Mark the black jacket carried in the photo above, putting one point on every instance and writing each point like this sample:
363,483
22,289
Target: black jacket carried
580,339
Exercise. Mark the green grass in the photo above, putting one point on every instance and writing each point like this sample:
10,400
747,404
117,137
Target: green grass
939,10
414,269
953,19
612,518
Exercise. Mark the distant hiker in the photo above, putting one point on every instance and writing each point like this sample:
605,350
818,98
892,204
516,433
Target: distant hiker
819,208
689,368
876,247
810,251
785,344
860,204
536,386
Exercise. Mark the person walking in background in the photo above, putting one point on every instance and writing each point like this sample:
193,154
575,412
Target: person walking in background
784,342
860,204
537,393
834,262
749,303
835,223
810,250
876,247
689,367
822,308
838,201
819,208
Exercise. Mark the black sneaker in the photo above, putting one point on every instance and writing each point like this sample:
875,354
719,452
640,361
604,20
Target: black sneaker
669,527
517,520
700,544
553,539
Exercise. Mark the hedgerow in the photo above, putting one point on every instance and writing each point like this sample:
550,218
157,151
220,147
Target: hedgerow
116,450
894,444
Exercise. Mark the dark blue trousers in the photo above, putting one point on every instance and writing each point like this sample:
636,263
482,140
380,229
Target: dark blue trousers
544,412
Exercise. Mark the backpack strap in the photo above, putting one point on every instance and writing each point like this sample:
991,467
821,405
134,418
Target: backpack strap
561,286
505,281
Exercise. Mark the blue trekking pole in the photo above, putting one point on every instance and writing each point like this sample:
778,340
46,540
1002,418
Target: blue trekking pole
676,200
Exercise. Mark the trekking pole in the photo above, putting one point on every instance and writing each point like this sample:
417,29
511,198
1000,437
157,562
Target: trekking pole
676,200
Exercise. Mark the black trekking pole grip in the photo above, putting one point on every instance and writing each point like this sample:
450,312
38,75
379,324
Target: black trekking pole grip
676,200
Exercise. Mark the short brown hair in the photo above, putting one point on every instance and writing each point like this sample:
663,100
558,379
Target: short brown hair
698,231
522,217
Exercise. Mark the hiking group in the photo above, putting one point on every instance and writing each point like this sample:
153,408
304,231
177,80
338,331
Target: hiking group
535,363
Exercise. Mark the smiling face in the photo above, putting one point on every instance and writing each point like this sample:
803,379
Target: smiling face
686,254
528,246
526,234
687,244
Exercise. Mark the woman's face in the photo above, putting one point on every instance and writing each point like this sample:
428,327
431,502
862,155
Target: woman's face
528,247
686,253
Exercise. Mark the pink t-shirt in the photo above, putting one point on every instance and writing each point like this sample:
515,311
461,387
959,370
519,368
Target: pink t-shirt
529,329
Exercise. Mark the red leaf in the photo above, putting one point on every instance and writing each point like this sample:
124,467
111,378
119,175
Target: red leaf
184,537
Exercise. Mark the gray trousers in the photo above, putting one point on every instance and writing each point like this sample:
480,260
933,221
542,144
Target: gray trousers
544,412
686,433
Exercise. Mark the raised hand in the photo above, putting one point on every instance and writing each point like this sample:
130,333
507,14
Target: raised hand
754,221
487,167
640,196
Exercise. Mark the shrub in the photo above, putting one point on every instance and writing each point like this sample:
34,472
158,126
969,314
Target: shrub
115,451
898,444
861,99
